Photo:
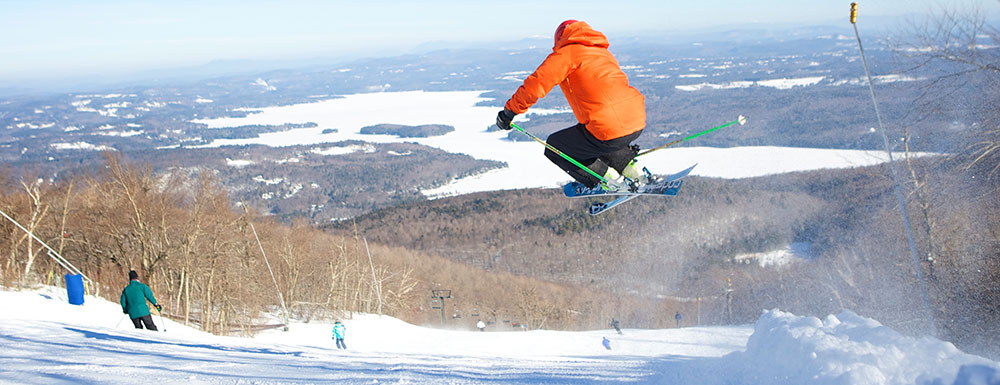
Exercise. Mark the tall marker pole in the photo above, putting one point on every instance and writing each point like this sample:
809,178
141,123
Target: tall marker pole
895,180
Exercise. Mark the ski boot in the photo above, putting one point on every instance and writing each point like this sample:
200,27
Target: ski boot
614,182
637,173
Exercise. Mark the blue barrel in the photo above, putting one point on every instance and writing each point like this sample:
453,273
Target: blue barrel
74,288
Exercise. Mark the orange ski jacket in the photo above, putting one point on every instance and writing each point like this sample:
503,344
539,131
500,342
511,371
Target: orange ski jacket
595,86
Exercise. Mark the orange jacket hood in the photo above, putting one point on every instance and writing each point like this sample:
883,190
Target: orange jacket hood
581,33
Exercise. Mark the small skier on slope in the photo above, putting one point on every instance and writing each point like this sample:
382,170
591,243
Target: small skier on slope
338,334
610,112
133,301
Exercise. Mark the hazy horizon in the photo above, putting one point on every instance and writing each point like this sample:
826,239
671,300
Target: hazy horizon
113,40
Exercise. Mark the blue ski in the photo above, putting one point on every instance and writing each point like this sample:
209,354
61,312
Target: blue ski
600,207
667,186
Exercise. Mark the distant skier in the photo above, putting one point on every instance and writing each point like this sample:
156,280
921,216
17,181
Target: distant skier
610,112
614,324
338,334
481,325
678,318
133,301
607,343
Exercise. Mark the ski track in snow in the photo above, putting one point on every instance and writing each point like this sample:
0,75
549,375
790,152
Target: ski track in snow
45,340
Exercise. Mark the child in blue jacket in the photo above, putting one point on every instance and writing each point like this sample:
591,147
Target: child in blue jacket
338,334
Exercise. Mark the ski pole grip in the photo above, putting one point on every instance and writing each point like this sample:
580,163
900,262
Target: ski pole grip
854,13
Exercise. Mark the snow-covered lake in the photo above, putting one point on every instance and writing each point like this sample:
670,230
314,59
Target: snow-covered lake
527,167
45,340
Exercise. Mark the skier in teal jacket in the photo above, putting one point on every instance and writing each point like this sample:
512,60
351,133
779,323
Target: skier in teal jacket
338,334
133,300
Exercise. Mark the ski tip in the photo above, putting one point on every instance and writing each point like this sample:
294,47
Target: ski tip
568,190
742,119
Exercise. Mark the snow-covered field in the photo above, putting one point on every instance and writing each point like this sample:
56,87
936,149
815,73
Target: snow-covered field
45,340
527,167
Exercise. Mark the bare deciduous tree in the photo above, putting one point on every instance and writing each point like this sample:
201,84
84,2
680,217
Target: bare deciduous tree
959,50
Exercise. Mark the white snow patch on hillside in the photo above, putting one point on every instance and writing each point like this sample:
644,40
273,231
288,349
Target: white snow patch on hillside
880,79
344,150
721,86
778,258
785,84
123,134
288,160
238,162
34,126
43,339
294,190
261,179
781,84
80,146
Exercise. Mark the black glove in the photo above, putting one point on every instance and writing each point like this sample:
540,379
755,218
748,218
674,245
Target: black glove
503,119
159,308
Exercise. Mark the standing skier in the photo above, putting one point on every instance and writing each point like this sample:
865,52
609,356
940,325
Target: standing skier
338,334
611,114
133,301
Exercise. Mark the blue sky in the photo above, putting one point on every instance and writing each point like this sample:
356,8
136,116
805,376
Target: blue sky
62,38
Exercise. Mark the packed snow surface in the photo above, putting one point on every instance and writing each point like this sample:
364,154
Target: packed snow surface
526,166
45,340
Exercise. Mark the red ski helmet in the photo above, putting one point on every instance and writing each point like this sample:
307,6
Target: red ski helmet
561,28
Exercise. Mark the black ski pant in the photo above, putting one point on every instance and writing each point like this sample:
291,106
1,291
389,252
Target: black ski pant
341,344
597,155
147,320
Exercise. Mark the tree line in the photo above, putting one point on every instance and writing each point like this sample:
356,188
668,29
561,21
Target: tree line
199,252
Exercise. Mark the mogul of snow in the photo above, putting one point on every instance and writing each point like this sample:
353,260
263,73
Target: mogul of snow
610,112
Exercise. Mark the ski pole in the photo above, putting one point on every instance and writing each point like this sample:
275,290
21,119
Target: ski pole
567,157
160,312
120,321
741,120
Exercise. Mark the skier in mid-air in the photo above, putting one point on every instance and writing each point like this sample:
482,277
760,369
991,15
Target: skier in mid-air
610,112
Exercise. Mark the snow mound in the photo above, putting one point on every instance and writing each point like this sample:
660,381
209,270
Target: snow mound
850,349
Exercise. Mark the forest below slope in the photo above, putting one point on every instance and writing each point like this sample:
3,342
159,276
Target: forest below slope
199,252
